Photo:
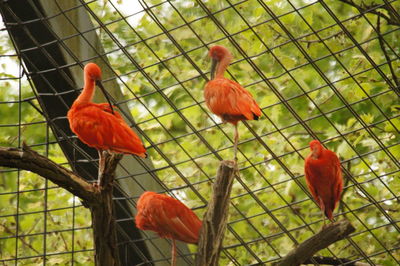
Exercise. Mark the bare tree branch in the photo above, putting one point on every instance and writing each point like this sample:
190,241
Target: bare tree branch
30,160
309,42
22,239
383,48
97,199
334,261
327,236
373,10
215,218
346,182
384,206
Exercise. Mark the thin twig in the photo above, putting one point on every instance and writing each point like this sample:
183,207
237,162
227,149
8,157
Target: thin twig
385,206
306,41
372,9
22,239
346,183
302,134
61,235
383,48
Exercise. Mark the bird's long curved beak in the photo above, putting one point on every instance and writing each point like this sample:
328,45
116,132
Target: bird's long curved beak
214,64
100,85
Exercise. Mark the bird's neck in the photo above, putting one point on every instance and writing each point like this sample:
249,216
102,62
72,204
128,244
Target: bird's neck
222,65
86,95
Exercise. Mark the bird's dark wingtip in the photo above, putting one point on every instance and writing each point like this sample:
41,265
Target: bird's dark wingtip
256,117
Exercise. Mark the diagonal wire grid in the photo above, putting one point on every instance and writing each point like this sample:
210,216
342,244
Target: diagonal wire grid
318,69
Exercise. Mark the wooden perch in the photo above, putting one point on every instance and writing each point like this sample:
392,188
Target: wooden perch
98,200
333,261
104,227
30,160
327,236
215,218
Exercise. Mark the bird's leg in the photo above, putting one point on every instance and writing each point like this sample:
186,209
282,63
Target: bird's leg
236,139
101,167
322,206
173,257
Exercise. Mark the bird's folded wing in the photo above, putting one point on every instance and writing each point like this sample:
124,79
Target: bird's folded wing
177,219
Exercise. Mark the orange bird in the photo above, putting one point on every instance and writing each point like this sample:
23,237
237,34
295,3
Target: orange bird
324,178
225,97
98,125
169,218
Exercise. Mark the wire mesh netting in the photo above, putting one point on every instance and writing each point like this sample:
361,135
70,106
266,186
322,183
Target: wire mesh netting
318,69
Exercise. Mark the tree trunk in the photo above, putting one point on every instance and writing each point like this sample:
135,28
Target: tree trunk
215,219
104,233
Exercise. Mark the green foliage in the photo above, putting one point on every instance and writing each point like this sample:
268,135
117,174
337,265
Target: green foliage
179,85
339,95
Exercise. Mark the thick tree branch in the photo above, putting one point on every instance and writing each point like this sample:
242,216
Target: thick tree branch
215,218
333,261
30,160
97,199
329,235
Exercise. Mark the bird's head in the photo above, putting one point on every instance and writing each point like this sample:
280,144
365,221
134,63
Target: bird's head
316,148
93,71
218,53
143,203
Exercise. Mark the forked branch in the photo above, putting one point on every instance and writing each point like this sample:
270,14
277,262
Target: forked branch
373,9
97,199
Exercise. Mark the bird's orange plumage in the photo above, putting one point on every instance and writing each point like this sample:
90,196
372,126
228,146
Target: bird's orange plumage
168,217
324,177
226,98
97,125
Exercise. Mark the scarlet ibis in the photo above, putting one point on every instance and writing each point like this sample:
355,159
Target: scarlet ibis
169,218
98,125
225,97
324,178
